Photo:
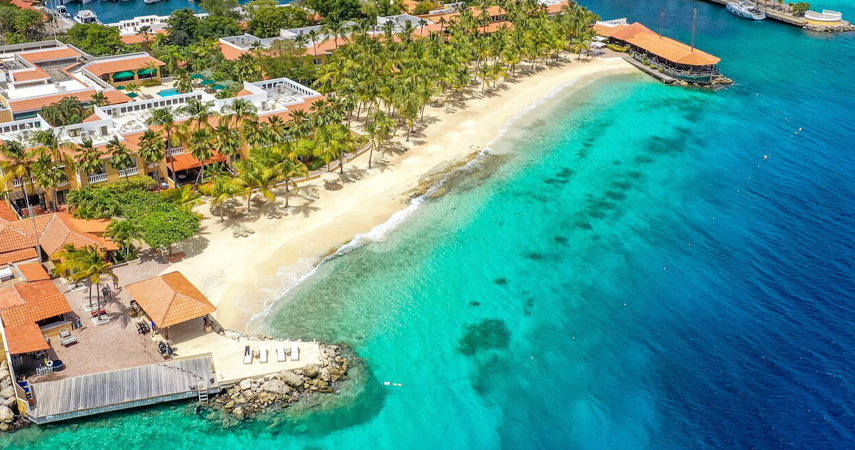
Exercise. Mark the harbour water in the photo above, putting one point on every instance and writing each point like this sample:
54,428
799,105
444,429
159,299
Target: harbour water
632,266
110,12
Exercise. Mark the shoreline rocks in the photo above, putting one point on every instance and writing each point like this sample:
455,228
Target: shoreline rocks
9,419
254,396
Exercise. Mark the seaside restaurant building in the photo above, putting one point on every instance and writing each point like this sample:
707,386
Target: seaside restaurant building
169,300
670,57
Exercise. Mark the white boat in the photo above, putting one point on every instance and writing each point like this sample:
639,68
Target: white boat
86,1
151,1
62,11
85,16
747,10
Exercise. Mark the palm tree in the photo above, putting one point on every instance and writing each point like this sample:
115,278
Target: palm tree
124,233
99,99
145,32
198,111
120,156
184,84
132,88
222,189
290,169
152,149
16,166
202,148
254,175
163,117
228,141
89,158
87,263
48,174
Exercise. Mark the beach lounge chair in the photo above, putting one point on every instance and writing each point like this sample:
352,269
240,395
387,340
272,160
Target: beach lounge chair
247,355
262,357
67,338
280,352
295,352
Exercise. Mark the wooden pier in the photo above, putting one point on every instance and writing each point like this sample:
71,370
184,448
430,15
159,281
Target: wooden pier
87,395
667,79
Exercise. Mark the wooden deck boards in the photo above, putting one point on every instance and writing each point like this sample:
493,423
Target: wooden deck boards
89,394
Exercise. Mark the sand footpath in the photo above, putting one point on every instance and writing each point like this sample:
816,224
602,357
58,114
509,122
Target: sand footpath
242,275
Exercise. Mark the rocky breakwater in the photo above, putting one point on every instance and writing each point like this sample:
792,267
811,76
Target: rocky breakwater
9,420
270,393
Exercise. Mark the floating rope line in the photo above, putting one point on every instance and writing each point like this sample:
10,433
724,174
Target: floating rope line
455,380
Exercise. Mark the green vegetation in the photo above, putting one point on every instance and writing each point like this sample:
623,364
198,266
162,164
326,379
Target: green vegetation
67,111
424,7
618,48
98,40
159,221
265,18
336,10
800,8
20,25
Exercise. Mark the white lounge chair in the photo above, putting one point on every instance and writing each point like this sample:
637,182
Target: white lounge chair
295,352
280,352
247,355
66,338
262,356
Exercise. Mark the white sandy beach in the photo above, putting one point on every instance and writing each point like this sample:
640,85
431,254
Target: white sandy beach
239,274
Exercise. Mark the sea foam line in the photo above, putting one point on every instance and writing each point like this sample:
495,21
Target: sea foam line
291,278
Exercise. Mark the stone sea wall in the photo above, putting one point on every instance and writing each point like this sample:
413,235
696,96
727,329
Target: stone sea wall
254,396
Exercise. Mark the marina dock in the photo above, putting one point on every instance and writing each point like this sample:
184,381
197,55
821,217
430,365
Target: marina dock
825,21
98,393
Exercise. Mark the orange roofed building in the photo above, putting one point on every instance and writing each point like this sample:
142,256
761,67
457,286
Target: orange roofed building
170,299
27,310
671,57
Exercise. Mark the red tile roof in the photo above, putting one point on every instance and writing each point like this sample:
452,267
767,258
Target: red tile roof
33,271
24,304
29,75
170,299
18,255
37,103
36,56
63,230
139,39
662,46
229,51
114,65
7,213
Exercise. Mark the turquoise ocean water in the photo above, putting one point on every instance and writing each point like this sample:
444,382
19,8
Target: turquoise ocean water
674,288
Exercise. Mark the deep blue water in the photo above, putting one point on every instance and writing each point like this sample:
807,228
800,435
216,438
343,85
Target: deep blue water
675,288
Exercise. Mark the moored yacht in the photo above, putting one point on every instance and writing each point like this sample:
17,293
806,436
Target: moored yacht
86,16
747,10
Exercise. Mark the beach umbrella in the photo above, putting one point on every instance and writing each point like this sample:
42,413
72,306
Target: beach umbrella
208,82
132,94
121,88
197,76
218,87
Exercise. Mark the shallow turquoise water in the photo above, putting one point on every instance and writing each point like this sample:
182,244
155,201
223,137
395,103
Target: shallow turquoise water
675,289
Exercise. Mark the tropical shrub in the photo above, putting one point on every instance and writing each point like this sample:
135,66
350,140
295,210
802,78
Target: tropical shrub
800,8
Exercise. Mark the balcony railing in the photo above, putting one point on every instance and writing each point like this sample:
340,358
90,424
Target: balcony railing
153,165
174,151
97,178
17,182
129,172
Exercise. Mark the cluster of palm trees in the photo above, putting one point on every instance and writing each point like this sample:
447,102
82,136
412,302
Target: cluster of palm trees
85,265
278,150
398,74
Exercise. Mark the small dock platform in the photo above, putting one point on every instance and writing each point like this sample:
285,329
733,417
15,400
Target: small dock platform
667,79
87,395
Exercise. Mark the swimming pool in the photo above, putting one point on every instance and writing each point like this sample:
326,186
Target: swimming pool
168,92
